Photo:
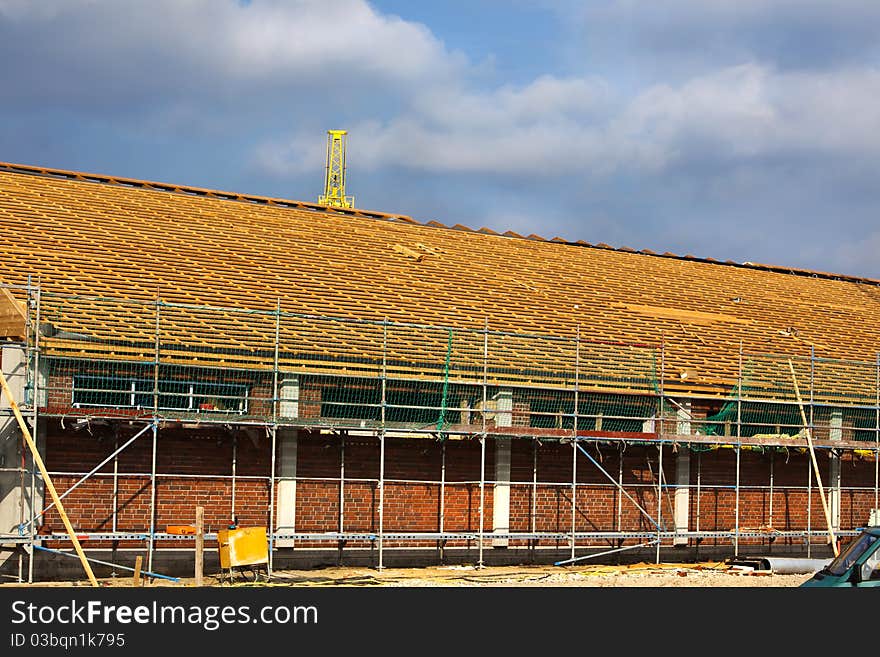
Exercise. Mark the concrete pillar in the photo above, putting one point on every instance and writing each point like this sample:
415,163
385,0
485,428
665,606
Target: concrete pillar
501,491
288,393
835,432
681,507
286,499
12,502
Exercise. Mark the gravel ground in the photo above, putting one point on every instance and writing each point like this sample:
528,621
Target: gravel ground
636,575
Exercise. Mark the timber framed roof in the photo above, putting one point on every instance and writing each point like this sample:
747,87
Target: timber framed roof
103,236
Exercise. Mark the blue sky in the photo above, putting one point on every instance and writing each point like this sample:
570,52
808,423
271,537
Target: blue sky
746,130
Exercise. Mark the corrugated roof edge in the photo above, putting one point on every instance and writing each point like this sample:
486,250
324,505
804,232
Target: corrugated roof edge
11,167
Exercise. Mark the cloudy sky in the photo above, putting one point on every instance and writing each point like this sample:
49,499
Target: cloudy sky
746,130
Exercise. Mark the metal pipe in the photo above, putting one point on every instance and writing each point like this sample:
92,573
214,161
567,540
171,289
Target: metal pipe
772,461
274,436
659,494
699,481
573,491
153,498
36,404
341,483
622,490
534,485
155,426
115,479
91,472
738,448
877,437
146,573
381,483
793,566
234,467
483,437
620,486
442,493
602,554
660,446
809,506
577,368
23,444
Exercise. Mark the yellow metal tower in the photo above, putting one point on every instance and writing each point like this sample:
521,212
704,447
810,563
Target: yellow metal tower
334,178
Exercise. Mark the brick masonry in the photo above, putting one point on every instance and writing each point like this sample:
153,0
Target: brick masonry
194,468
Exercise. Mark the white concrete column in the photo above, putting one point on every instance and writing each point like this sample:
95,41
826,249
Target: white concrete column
682,499
286,499
288,393
12,360
501,490
835,432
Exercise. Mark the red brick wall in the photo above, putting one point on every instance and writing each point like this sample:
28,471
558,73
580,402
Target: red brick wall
412,490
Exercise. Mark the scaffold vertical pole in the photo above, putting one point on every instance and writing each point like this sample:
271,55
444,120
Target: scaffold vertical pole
152,542
273,435
234,468
574,436
809,507
483,439
22,463
382,442
36,404
660,444
877,438
534,510
441,523
274,438
738,447
341,483
621,449
772,464
699,491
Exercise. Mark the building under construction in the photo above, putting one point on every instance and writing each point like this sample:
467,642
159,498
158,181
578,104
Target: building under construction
376,390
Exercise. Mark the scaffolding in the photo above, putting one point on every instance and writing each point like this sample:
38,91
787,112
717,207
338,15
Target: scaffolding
151,365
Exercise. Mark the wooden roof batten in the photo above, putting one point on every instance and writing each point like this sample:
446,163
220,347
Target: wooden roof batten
362,264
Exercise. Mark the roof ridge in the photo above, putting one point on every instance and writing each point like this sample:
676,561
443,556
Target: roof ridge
11,167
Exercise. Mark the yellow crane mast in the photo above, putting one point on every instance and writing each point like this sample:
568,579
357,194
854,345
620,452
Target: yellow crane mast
334,177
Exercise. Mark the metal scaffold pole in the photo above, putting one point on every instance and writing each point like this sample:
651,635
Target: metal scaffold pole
620,487
234,468
574,434
382,443
274,438
36,404
738,447
660,445
441,522
534,510
809,507
483,439
115,481
273,435
877,437
699,485
341,483
772,464
155,440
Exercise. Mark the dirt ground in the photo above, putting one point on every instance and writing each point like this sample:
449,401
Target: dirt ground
710,574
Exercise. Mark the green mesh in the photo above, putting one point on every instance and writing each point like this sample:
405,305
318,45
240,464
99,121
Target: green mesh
187,362
838,398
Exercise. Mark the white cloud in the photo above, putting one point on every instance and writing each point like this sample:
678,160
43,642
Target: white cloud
196,47
553,124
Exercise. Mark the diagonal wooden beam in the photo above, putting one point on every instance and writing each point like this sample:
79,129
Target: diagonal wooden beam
39,461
